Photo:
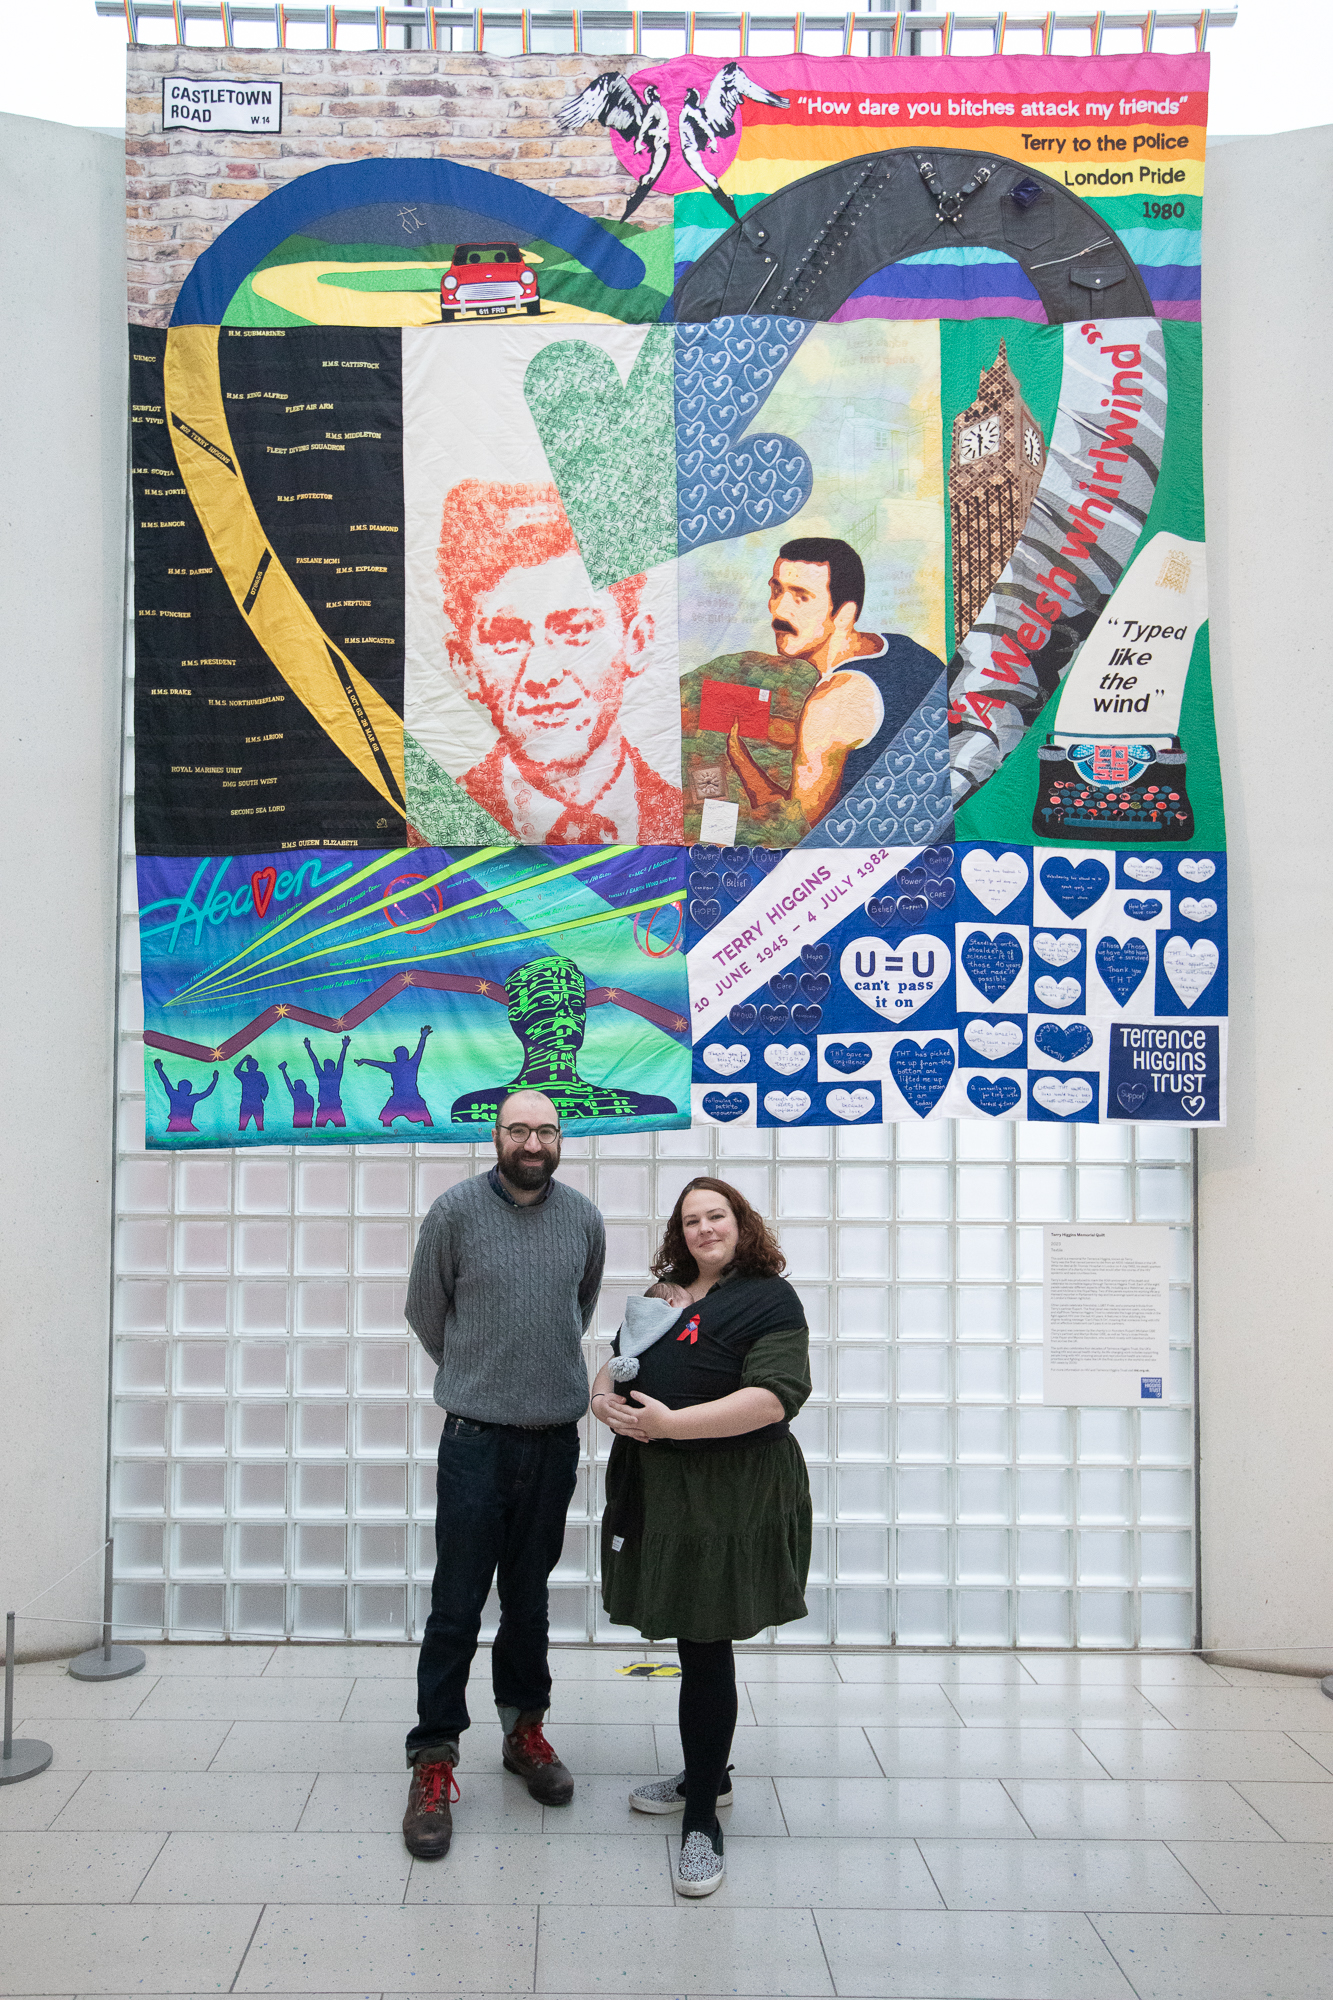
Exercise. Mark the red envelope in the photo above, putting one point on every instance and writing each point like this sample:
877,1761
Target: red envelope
723,703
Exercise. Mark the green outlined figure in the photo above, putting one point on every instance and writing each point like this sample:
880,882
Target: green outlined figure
548,1011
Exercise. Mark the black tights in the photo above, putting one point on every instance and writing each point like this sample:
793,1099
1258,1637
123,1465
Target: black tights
707,1722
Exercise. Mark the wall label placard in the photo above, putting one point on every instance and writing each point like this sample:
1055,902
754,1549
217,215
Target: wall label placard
1105,1306
220,104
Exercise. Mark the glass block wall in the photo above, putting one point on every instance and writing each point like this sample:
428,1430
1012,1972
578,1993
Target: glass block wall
273,1434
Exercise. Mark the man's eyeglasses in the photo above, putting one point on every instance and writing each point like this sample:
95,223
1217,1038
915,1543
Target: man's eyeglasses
520,1134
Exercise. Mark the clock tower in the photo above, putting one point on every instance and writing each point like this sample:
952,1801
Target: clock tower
998,458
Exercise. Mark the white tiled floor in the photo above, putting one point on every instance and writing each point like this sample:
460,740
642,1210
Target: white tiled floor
921,1826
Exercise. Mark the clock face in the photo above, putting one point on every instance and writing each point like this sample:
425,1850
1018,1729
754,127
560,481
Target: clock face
979,440
1031,445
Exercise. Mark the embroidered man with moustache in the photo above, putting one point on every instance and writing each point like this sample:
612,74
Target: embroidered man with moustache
869,683
551,657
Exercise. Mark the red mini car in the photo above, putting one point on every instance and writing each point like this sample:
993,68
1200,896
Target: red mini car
486,279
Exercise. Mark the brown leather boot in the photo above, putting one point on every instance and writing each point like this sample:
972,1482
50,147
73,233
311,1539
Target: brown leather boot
530,1756
428,1823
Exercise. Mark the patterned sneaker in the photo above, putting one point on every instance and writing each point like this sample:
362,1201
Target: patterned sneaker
527,1753
700,1868
428,1823
667,1795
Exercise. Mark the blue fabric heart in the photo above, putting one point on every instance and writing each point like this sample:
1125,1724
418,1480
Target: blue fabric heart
772,1018
992,963
782,985
1131,1097
807,1019
1122,966
735,885
921,1074
1143,910
814,957
847,1056
743,1018
1062,1043
881,910
725,1104
705,911
814,985
1071,889
727,484
993,1094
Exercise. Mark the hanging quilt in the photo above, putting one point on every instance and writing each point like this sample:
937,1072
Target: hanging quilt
727,631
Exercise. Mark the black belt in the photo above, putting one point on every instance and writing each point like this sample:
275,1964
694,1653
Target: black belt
483,1424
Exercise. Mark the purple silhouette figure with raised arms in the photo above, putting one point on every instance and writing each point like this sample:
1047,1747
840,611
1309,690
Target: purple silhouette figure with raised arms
303,1104
329,1082
183,1098
405,1100
254,1089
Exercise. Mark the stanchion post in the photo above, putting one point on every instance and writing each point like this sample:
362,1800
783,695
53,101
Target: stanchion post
27,1757
107,1662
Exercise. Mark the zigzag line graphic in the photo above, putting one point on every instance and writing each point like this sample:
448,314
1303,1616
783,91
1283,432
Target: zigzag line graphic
440,982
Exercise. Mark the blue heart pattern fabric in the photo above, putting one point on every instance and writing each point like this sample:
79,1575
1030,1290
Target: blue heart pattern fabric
833,969
903,799
728,483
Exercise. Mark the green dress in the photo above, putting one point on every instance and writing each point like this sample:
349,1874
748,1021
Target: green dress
711,1539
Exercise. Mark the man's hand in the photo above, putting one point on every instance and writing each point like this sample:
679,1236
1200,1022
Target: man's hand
758,788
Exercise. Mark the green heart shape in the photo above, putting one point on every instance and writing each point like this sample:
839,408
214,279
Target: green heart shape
611,449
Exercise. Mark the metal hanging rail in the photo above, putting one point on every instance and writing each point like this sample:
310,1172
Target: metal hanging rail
432,27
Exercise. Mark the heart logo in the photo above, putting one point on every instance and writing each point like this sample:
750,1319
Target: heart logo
786,1059
850,1104
726,1058
1122,966
1142,909
1143,868
1057,950
847,1056
1194,1105
1062,1096
782,985
743,1018
895,979
1061,1043
993,1094
1190,967
1197,908
1200,870
786,1105
771,1019
611,449
814,957
992,1040
1131,1097
262,884
1056,992
994,882
1074,890
724,1105
807,1019
991,963
921,1073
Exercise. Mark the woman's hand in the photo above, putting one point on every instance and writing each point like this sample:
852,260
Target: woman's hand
643,1420
675,1295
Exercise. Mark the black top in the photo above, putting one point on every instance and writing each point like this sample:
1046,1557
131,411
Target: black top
700,1357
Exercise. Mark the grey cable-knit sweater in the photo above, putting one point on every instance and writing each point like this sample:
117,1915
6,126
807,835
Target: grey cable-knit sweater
500,1297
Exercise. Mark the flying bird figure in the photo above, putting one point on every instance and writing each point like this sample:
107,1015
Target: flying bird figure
703,123
609,100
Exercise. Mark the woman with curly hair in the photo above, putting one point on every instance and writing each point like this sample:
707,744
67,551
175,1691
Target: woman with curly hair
706,1531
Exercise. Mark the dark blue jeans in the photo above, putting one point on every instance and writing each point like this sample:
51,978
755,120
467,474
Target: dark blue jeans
501,1499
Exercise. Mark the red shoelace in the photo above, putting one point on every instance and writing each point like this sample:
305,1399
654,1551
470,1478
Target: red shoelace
530,1742
437,1779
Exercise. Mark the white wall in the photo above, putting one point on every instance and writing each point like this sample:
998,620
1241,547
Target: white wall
1267,1383
62,526
1266,1329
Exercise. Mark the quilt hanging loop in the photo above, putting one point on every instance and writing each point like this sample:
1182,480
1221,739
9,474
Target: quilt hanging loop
946,35
1201,29
1149,30
1097,30
1048,33
228,34
178,21
1001,23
